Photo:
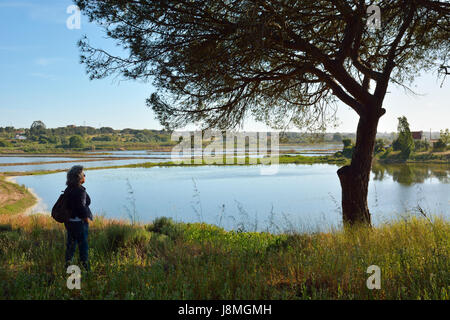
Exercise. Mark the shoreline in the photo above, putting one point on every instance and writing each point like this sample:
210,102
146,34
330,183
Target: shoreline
38,200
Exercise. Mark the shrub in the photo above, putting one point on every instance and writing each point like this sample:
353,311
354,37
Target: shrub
421,145
439,145
76,142
387,152
4,144
379,146
138,237
396,145
102,138
347,142
445,136
348,152
291,242
406,147
43,139
168,227
120,236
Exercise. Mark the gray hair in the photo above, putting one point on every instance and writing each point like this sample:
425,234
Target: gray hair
74,176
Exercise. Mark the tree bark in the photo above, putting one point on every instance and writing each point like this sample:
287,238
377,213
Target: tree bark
354,178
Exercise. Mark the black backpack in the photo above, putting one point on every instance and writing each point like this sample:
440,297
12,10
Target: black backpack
61,211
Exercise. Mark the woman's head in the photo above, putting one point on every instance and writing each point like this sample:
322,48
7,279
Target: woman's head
75,176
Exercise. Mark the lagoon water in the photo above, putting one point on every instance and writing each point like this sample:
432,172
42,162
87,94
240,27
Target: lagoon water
67,165
20,167
15,159
301,197
140,156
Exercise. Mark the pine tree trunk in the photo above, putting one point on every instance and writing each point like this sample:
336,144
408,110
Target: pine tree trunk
354,178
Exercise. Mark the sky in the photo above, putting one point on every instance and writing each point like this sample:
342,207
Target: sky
42,79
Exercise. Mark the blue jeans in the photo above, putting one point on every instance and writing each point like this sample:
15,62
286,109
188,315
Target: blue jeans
77,233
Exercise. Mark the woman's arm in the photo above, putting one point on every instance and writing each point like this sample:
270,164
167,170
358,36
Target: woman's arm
80,204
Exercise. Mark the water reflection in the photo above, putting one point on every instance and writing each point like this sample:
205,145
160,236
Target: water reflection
411,173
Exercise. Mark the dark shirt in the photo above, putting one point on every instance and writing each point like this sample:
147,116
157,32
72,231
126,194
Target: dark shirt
79,201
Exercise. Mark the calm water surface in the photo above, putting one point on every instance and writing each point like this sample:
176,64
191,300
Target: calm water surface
34,159
140,156
67,165
303,197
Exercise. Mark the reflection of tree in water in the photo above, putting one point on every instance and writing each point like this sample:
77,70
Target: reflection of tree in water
409,174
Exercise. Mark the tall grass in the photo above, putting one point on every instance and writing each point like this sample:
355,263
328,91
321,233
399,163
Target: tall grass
170,260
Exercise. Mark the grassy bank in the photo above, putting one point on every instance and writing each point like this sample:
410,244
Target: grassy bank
167,260
37,149
419,157
14,198
283,159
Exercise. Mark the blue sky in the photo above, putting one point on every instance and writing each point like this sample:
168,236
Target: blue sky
42,79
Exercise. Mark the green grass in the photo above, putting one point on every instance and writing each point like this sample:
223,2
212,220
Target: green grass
35,147
168,260
283,159
299,159
428,157
24,201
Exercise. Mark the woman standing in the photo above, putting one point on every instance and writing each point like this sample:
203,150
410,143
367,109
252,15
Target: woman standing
78,225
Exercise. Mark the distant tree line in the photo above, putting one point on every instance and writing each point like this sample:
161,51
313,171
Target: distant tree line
83,136
79,136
